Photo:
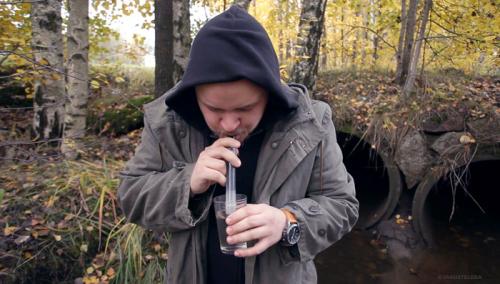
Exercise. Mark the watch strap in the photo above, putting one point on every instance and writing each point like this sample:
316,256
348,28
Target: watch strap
290,217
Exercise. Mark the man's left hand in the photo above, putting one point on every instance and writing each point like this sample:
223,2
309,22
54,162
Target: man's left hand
255,222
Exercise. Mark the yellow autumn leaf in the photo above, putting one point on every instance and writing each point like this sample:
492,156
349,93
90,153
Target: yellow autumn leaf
110,272
7,231
94,84
119,79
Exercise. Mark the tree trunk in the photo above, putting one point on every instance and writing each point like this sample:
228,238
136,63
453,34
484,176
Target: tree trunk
364,13
163,47
408,41
399,52
47,45
242,3
307,48
281,46
376,13
78,78
342,38
182,37
410,81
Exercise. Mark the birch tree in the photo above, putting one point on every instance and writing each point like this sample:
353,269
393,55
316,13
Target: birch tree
411,21
181,36
172,43
307,47
410,80
242,3
77,81
47,46
399,52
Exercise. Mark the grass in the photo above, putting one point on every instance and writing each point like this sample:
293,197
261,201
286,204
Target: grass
61,221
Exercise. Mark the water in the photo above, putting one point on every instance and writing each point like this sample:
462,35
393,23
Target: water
226,248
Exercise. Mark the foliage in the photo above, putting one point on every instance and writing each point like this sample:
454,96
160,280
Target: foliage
364,33
60,220
118,117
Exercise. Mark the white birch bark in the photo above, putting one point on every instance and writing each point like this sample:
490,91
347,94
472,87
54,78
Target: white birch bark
409,41
78,78
399,52
47,46
412,74
182,37
307,47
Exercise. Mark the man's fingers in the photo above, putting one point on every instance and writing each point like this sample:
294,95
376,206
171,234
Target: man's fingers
216,164
249,235
257,249
227,142
214,176
250,222
242,213
223,153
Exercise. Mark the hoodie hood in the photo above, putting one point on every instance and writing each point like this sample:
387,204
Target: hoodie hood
229,47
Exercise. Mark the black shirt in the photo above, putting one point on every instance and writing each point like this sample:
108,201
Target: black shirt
224,268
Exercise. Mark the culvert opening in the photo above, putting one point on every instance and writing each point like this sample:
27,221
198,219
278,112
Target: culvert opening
461,236
378,181
465,213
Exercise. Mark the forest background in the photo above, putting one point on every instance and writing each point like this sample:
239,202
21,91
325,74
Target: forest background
71,90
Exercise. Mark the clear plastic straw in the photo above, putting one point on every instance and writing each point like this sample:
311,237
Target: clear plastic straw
231,188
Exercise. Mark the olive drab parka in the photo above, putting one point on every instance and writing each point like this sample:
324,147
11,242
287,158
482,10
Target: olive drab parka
299,167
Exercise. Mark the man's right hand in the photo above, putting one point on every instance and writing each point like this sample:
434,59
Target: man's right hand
210,168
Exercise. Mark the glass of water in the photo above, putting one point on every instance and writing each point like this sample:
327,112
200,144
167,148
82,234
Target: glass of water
220,216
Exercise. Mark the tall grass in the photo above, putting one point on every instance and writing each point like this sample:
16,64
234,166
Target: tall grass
70,224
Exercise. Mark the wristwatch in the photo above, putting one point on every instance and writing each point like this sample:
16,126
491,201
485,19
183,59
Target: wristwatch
291,232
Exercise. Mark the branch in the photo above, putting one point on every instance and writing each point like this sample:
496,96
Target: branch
9,53
38,64
20,2
374,32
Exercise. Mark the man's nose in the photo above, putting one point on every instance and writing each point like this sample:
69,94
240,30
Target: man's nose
230,122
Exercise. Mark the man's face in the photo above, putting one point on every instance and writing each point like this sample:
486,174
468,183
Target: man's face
232,108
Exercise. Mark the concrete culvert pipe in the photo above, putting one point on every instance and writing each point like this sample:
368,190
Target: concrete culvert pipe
378,180
466,212
460,223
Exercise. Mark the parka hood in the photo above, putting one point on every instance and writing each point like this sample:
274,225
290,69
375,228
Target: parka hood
229,47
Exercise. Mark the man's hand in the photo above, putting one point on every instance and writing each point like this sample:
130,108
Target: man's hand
255,222
210,167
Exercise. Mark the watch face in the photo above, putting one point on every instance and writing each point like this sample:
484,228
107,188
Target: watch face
293,234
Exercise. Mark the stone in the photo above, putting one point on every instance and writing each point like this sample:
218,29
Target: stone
413,157
485,130
444,122
453,146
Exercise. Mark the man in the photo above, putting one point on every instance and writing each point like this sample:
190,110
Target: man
289,165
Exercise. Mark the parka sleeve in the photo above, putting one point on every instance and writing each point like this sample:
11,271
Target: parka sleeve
330,208
157,196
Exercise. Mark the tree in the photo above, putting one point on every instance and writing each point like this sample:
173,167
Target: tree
182,37
172,43
412,74
47,46
408,42
164,47
307,48
399,52
242,3
77,67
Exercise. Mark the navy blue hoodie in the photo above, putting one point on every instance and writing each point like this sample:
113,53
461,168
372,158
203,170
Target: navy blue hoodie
229,47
